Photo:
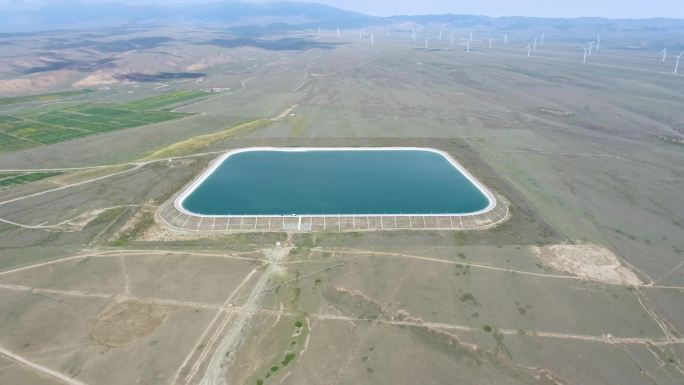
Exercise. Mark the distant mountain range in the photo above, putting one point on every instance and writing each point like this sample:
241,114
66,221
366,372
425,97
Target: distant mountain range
74,14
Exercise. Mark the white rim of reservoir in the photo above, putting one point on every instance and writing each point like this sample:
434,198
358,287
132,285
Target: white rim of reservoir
178,203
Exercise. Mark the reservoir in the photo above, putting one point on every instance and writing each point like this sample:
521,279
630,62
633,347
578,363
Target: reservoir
335,181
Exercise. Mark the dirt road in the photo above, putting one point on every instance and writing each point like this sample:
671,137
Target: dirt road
216,371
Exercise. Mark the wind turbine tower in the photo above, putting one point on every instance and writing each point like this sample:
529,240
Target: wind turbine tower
471,36
598,43
338,31
440,35
664,52
452,39
534,45
505,39
372,39
585,56
542,38
591,46
677,63
468,46
491,41
427,43
529,50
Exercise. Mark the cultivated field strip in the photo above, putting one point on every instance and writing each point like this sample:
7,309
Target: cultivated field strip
170,217
40,126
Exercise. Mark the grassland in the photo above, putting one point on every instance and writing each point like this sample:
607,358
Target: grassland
577,150
164,101
202,142
9,180
42,97
34,127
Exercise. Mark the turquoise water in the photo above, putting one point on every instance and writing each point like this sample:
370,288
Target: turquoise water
271,182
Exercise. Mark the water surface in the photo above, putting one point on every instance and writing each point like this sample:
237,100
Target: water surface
316,182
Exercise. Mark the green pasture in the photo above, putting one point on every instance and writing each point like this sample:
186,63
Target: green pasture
42,97
36,126
9,180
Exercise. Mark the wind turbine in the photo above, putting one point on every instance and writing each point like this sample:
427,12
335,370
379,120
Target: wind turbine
542,39
440,35
338,31
664,52
598,43
677,64
585,55
414,35
534,45
471,36
591,46
361,33
491,40
468,46
319,29
372,39
427,41
505,39
529,50
452,39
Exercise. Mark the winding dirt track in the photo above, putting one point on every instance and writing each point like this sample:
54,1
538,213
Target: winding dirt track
228,335
250,306
61,377
216,370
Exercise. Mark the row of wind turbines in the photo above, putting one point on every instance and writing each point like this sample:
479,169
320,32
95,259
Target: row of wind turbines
677,58
588,49
532,47
414,36
592,47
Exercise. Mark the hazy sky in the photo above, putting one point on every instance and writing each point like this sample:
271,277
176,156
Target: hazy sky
545,8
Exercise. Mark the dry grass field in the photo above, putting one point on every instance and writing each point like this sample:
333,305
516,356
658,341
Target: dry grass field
583,284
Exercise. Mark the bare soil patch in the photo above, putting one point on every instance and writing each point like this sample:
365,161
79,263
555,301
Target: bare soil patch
77,223
126,322
552,111
137,224
34,84
157,233
101,78
80,222
589,261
